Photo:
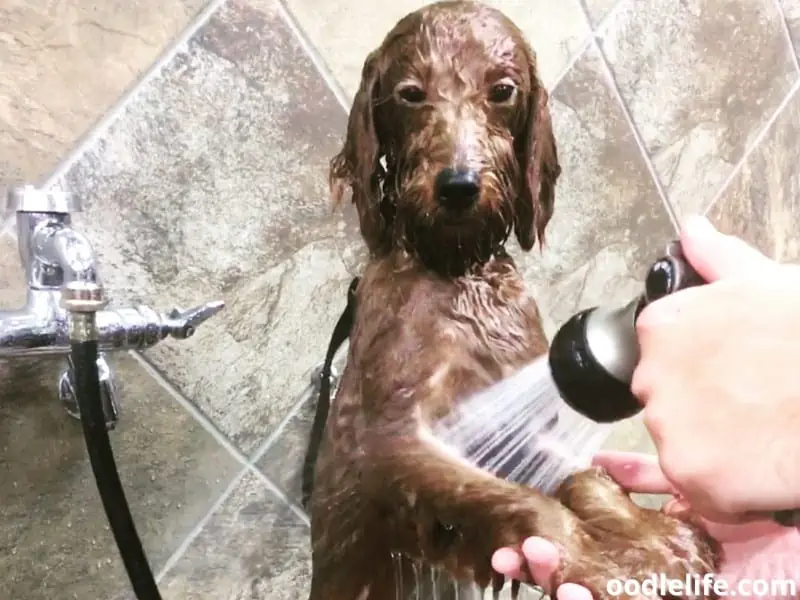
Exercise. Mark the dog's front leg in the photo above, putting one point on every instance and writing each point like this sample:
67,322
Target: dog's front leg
460,515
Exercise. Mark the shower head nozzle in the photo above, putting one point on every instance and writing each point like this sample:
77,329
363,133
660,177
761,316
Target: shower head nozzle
594,354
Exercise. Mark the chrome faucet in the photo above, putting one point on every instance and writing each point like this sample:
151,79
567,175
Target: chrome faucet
54,255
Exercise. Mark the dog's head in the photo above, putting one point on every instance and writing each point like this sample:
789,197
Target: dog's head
449,144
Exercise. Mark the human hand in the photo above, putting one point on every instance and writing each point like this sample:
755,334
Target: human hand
719,380
756,550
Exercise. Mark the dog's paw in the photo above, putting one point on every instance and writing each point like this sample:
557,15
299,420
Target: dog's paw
626,542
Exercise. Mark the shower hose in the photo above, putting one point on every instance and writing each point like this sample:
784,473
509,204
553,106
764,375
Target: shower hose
83,302
84,352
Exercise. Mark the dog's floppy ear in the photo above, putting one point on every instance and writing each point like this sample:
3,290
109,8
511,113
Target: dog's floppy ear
357,165
538,160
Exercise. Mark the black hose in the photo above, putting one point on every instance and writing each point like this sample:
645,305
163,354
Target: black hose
101,456
341,333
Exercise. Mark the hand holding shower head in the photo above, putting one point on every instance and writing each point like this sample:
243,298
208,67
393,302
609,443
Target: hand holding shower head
594,354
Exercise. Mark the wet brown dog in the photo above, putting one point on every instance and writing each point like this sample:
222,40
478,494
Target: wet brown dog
449,150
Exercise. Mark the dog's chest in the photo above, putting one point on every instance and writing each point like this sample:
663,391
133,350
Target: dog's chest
483,334
495,323
422,341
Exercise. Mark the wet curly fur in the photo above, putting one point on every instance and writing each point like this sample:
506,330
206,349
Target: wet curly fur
441,313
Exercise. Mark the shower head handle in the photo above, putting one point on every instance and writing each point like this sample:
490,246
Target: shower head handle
669,274
594,354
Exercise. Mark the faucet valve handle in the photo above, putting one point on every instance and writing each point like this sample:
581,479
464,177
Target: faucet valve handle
182,324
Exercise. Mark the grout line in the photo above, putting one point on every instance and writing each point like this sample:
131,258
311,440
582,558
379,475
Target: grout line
314,56
585,10
299,512
248,465
100,128
605,22
751,148
10,227
220,437
787,34
104,123
609,73
198,528
585,45
267,444
180,551
302,400
342,96
637,136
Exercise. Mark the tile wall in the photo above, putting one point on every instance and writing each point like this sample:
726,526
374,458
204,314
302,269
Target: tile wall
198,136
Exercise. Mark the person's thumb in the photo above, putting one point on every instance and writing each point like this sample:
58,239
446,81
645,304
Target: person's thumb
715,255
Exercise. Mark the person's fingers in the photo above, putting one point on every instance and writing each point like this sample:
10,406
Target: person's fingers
543,559
573,591
508,562
716,255
634,472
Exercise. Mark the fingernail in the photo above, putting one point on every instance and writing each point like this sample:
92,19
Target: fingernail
573,591
506,561
535,547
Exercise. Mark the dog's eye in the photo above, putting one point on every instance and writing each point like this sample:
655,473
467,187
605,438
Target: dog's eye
502,92
411,94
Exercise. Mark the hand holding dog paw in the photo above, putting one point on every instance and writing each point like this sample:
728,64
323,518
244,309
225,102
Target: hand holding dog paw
542,560
756,550
720,381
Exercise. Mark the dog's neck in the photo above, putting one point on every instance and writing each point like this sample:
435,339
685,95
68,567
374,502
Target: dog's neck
452,263
441,262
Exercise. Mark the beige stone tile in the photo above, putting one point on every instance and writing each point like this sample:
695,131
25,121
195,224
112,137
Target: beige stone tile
253,546
213,185
609,223
344,32
700,78
762,204
54,535
65,63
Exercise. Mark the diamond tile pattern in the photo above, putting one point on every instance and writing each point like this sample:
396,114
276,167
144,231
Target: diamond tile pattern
211,183
54,537
66,63
597,10
700,79
204,154
762,204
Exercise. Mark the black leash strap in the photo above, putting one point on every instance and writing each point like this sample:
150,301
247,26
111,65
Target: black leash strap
340,335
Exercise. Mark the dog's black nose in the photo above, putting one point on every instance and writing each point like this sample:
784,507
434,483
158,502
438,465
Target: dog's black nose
457,189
